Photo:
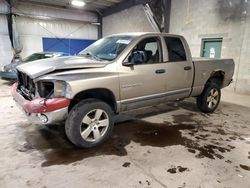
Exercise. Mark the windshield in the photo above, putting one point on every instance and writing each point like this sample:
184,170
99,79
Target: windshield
34,57
107,48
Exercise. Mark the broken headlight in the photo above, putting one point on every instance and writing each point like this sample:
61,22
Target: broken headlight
53,89
60,89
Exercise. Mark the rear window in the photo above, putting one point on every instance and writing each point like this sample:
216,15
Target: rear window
176,51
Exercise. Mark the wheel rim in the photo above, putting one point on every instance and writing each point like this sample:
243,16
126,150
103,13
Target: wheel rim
213,98
94,125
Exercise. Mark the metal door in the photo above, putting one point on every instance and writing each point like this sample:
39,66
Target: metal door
143,84
179,69
211,48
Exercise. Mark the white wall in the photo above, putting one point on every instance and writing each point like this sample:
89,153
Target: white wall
32,30
130,20
5,45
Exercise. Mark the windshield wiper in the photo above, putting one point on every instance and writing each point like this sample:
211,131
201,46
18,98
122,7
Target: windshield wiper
89,54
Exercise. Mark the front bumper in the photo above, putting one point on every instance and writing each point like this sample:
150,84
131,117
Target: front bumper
41,110
8,75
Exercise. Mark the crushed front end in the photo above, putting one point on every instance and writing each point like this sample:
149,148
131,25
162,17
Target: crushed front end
43,102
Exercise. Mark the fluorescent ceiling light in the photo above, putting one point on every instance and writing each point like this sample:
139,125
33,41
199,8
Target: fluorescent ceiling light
96,23
78,3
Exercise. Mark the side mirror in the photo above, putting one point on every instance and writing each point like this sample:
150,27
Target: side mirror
136,57
127,64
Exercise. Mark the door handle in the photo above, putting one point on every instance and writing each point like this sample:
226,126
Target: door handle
187,68
160,71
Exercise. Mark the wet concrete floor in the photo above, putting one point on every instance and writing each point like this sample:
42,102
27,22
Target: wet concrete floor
53,143
164,146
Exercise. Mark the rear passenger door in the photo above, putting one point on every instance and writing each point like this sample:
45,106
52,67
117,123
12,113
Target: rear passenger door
179,69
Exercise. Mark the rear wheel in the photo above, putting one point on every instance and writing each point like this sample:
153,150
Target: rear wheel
209,100
89,123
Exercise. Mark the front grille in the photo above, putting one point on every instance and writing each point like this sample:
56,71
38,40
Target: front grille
25,85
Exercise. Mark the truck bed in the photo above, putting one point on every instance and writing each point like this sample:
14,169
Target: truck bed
204,67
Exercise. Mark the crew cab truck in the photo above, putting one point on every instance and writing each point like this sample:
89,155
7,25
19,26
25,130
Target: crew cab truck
116,74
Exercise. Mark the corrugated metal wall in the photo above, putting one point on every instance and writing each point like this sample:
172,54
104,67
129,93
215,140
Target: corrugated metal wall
31,30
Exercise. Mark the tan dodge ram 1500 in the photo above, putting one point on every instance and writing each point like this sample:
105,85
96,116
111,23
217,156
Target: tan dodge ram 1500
117,73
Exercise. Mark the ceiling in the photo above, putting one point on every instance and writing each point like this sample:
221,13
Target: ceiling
91,5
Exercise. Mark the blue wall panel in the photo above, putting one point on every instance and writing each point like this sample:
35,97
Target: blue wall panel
70,46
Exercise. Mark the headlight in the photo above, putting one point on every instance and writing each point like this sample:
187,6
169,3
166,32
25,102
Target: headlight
53,89
3,69
59,88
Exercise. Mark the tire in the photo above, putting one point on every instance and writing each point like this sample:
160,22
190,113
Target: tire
89,123
209,100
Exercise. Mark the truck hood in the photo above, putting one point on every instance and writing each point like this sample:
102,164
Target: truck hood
41,67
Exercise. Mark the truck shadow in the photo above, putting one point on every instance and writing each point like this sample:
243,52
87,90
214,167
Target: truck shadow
57,150
189,104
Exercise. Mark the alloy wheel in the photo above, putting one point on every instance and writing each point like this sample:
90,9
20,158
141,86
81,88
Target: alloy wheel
213,98
94,125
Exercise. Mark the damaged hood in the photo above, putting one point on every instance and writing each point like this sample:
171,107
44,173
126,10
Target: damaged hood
45,66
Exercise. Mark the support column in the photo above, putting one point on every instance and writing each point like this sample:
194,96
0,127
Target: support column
167,11
99,19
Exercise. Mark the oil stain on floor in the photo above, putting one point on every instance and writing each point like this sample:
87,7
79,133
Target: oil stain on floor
58,150
245,167
126,164
177,169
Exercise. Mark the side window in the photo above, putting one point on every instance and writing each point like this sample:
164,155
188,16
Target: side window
176,51
152,46
147,51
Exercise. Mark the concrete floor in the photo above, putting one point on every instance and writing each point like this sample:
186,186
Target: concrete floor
166,146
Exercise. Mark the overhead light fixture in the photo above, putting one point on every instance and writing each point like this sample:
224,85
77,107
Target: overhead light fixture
77,3
96,23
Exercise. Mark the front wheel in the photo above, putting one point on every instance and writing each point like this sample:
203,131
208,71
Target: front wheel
209,100
89,123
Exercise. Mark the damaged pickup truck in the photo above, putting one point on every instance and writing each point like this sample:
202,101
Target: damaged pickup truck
116,74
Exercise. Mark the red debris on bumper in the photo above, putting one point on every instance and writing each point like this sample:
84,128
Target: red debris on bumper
39,105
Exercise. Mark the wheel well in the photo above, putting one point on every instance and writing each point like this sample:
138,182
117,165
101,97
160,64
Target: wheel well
102,94
218,77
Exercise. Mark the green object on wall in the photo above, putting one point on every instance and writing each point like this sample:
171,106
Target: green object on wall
211,48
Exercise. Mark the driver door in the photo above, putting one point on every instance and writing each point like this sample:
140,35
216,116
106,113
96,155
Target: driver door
143,83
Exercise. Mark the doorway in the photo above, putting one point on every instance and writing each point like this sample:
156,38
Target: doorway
211,47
